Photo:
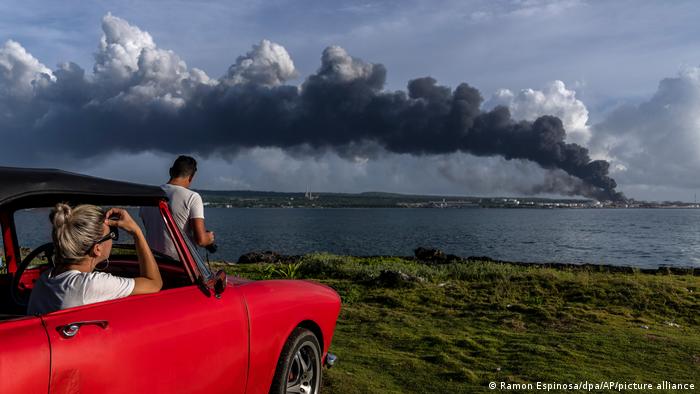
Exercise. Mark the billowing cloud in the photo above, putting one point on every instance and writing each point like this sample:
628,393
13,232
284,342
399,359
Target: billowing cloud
120,49
21,75
130,70
143,98
20,72
339,67
268,64
657,142
556,100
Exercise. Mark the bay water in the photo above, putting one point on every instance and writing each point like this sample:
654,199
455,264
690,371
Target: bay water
645,238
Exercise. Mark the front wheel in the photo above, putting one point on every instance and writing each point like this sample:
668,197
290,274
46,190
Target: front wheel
299,367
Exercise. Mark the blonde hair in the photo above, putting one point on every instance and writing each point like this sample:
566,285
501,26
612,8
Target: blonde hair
75,230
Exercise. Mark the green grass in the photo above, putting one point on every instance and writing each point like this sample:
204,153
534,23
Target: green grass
466,324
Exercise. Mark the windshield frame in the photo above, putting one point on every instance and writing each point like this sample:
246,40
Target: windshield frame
203,266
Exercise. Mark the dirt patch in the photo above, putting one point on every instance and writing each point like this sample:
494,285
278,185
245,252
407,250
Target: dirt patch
516,325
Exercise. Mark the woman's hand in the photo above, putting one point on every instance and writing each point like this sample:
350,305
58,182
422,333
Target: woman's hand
121,218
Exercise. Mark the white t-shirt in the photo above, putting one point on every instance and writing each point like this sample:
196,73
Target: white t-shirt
75,288
185,204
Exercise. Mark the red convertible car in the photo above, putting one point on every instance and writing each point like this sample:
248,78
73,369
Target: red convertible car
203,332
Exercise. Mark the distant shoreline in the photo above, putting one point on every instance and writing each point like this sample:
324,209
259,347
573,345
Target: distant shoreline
255,199
210,205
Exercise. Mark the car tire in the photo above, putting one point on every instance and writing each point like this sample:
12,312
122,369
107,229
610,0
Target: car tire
299,366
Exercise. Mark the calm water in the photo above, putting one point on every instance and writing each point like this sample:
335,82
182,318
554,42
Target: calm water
635,237
644,238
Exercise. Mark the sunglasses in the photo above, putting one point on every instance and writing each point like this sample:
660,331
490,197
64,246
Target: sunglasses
113,234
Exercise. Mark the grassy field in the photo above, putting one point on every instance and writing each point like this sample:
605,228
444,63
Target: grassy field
413,327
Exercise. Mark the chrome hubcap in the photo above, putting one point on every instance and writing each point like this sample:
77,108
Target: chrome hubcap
302,377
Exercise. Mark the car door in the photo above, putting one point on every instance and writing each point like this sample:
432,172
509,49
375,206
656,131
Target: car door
24,356
179,340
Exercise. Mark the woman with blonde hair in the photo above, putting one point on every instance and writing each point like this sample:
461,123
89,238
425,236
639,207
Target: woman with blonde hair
82,238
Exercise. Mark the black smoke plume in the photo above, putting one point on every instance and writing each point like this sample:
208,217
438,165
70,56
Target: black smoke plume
341,107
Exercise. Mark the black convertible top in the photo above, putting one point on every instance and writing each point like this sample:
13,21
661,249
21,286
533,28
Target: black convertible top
34,187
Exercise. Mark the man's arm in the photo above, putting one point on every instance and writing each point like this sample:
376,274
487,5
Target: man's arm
201,236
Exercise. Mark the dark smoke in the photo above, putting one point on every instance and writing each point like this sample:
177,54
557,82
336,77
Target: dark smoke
558,182
336,108
431,119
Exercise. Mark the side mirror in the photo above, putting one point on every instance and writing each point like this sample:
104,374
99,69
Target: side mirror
219,283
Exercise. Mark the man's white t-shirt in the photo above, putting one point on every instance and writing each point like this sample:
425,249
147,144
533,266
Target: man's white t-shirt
185,204
75,288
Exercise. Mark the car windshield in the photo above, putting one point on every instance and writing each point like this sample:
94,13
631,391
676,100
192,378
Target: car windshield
34,229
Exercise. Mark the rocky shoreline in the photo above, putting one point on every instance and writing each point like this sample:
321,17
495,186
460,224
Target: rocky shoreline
432,256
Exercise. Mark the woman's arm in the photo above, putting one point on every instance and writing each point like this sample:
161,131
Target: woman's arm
150,280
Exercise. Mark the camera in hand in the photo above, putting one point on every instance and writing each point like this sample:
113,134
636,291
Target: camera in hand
211,248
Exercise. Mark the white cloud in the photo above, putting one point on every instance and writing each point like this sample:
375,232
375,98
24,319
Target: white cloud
555,99
658,141
20,72
120,49
338,66
133,71
266,64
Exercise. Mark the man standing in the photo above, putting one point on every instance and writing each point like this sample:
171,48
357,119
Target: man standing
186,207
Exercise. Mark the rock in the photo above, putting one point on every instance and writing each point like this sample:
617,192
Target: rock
259,257
435,256
429,254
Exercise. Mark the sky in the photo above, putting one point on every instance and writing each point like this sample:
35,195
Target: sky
360,96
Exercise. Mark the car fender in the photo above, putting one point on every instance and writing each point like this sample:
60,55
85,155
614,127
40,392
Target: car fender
275,309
